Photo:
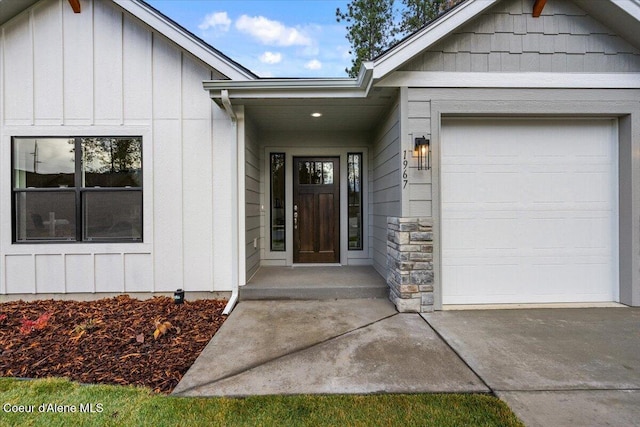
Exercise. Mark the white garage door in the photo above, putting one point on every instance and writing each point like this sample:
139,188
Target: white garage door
529,210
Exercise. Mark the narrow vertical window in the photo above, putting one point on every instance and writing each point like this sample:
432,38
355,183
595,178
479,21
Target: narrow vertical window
277,202
354,196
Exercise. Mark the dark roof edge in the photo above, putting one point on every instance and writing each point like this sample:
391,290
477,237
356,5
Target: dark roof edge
197,39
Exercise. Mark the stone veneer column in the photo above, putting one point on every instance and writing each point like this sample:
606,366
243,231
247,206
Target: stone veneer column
410,263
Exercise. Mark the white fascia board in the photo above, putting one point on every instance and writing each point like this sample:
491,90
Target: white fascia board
184,39
632,7
438,79
421,40
294,88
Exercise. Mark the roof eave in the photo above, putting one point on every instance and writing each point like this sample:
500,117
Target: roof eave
295,88
631,7
406,50
185,39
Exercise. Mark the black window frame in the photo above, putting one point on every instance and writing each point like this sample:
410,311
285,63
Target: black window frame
360,156
78,191
282,202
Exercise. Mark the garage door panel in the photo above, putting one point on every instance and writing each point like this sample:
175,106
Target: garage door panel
488,182
504,240
551,187
460,188
528,211
590,233
467,283
546,233
591,187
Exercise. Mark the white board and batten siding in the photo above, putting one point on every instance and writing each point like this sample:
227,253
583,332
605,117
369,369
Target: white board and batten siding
104,73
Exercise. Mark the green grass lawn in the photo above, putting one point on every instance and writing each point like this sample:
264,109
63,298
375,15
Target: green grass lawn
129,406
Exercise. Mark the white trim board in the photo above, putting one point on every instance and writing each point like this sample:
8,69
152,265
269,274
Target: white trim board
512,80
295,88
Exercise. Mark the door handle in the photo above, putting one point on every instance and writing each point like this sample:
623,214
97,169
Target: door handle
295,217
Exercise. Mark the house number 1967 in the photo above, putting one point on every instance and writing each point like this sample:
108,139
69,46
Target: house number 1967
405,176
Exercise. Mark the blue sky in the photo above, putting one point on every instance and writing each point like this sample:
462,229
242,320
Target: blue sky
284,38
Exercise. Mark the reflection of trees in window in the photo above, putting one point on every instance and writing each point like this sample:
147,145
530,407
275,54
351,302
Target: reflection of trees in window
111,162
305,172
354,197
315,172
277,172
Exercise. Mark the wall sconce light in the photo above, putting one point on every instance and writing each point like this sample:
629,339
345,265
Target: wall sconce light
424,153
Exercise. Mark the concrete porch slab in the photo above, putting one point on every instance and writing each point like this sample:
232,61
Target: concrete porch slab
355,346
547,349
315,283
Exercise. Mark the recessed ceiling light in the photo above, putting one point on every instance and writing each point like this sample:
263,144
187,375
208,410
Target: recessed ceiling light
316,115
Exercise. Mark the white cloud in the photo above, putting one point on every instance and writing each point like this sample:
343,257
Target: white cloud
344,52
310,51
264,74
271,32
314,64
271,57
218,20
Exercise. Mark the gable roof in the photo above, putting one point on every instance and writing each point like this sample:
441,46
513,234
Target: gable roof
186,39
380,71
623,15
163,25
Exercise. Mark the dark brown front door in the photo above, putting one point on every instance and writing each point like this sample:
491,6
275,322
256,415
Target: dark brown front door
316,209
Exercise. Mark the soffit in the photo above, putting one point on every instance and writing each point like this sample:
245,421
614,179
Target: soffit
626,23
338,114
11,8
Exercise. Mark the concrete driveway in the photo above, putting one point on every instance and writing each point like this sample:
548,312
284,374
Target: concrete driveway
553,367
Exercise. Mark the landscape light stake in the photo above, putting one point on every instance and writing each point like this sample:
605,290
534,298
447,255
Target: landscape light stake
178,296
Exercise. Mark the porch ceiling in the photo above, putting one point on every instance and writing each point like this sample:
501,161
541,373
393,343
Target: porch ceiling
338,114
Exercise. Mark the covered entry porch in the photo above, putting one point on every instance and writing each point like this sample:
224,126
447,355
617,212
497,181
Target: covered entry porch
317,177
315,282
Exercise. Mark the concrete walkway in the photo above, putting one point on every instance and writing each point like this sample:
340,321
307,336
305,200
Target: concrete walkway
343,346
553,367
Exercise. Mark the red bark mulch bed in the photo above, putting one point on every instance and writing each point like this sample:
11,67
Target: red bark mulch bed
107,341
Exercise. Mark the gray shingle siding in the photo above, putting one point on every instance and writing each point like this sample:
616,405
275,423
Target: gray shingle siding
507,38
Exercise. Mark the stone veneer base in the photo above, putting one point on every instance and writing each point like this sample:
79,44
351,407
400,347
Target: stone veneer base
410,263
